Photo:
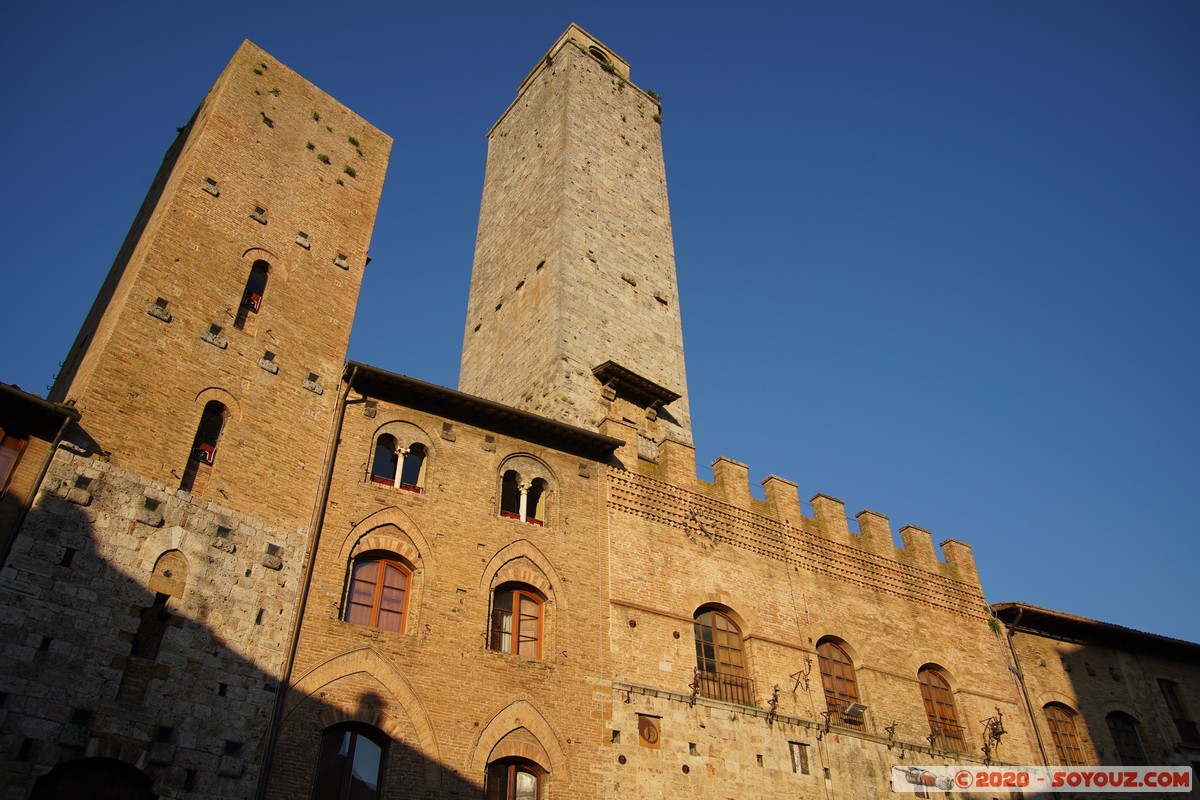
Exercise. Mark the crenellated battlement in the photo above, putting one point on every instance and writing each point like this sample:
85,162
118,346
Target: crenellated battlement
828,524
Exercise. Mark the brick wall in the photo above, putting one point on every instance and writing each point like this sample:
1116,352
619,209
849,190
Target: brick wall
144,377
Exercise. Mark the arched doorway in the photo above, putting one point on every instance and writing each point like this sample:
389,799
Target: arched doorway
94,779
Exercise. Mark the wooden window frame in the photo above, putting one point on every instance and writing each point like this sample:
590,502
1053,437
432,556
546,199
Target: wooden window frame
1127,738
384,561
839,680
501,781
1060,719
517,631
721,671
331,747
15,445
941,710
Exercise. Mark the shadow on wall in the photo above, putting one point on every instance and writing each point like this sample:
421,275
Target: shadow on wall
1111,703
120,686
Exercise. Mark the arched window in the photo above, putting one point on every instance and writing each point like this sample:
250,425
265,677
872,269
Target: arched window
378,595
535,502
204,446
944,730
1124,730
510,495
513,779
351,763
401,467
720,662
412,471
383,466
516,621
1066,738
252,296
524,499
839,682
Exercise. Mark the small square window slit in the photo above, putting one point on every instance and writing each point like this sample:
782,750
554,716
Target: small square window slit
158,310
210,186
267,363
259,215
213,336
341,261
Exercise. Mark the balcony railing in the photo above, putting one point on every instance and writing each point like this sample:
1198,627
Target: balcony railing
723,686
945,736
838,715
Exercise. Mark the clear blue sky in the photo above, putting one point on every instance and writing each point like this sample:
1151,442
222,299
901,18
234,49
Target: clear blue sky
938,259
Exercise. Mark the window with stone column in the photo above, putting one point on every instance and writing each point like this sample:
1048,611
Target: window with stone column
525,491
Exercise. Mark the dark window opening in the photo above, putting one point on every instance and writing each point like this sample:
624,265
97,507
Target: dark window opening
204,446
1124,730
512,780
1183,721
152,626
252,296
401,467
412,475
510,496
383,468
351,763
535,510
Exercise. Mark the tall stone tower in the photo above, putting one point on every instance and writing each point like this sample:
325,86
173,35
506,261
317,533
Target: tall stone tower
210,359
574,308
176,518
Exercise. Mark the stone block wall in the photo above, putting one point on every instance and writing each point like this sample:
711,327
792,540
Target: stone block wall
92,665
574,262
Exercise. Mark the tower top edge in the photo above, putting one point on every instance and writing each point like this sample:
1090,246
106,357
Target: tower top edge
585,42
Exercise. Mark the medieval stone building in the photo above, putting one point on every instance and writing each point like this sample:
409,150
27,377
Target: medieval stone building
237,566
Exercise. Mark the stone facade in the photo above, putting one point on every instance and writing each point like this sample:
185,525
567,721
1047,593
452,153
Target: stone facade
574,261
182,688
524,581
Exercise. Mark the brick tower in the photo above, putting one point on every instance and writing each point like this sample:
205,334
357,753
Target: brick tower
210,357
574,309
159,568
